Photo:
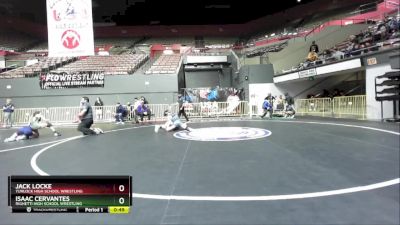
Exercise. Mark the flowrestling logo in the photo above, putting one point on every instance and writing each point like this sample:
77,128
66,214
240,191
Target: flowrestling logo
223,134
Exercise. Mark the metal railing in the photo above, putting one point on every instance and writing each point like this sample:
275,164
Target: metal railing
350,106
217,109
338,107
314,107
60,115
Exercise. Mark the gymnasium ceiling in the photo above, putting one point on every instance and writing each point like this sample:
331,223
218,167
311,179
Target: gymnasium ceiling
174,12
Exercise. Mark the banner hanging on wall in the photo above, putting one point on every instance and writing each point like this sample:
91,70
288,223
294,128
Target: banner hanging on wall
71,80
70,28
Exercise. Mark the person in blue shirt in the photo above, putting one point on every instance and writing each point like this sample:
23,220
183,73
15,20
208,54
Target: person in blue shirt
267,107
142,110
213,95
173,123
120,114
25,132
8,110
36,122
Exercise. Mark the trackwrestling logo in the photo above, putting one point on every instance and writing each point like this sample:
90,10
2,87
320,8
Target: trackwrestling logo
223,134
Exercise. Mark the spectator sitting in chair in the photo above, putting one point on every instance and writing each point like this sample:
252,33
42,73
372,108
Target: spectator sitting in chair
136,103
143,110
120,113
337,55
144,100
312,56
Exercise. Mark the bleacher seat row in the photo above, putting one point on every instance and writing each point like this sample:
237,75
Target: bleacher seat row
165,64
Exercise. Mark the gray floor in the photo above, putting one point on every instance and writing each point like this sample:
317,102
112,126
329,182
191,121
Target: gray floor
297,158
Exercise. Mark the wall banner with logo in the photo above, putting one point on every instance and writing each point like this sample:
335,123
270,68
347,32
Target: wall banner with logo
70,28
71,80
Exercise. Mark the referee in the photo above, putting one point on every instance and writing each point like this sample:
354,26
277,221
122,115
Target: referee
86,117
181,102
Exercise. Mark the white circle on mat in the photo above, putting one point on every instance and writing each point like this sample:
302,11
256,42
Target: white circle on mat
223,134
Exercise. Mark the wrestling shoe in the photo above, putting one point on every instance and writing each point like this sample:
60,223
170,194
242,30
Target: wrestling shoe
156,128
21,137
8,140
100,131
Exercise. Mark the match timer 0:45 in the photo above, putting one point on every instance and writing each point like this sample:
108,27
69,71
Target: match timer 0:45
70,194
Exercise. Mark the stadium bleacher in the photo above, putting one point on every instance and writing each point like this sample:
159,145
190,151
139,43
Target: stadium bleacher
219,42
15,41
261,51
384,34
110,65
44,64
165,64
170,41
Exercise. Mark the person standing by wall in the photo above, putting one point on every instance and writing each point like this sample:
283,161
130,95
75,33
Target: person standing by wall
99,108
267,107
8,110
289,100
182,103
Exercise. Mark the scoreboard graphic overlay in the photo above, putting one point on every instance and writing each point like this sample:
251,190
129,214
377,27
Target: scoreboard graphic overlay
70,194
